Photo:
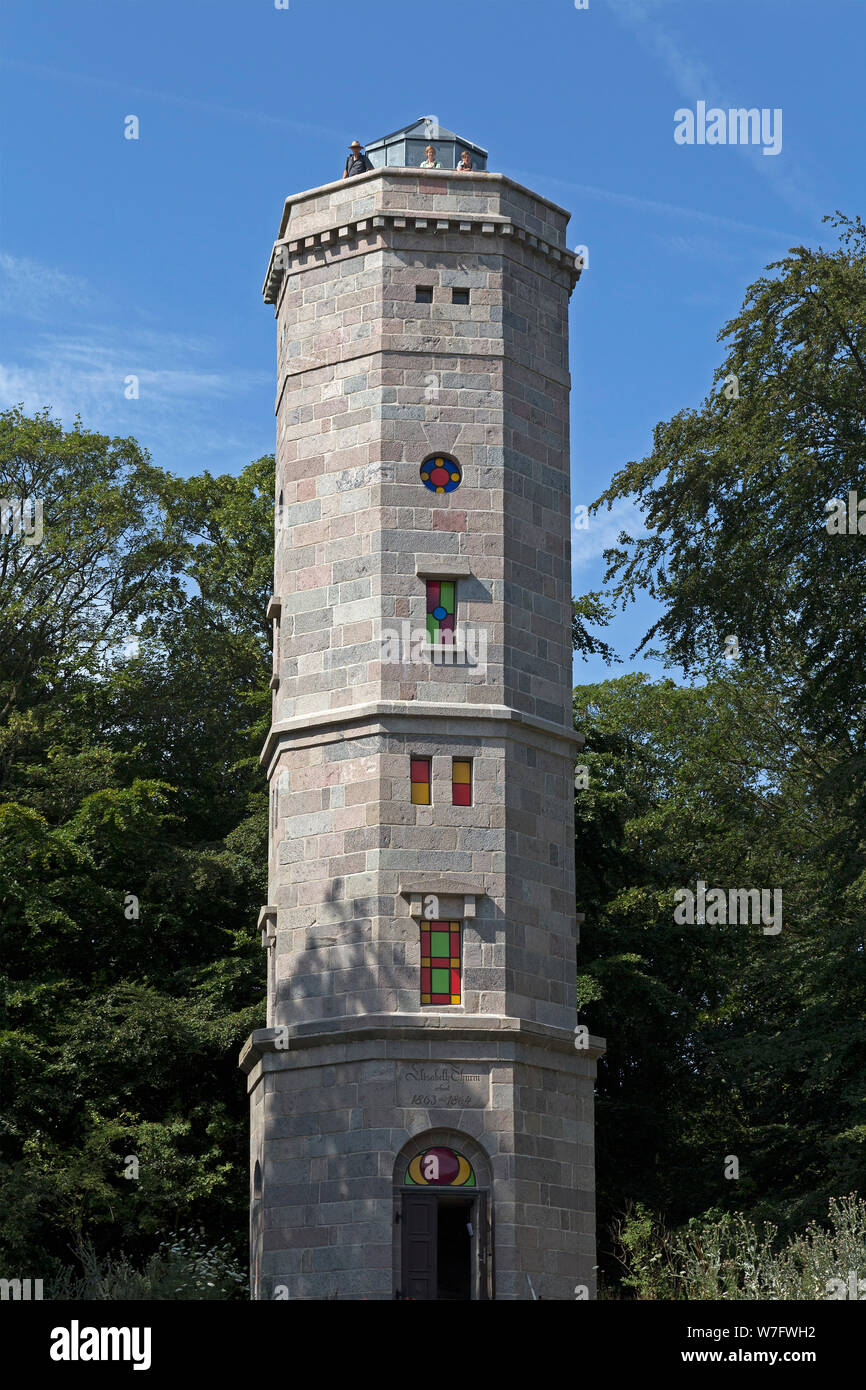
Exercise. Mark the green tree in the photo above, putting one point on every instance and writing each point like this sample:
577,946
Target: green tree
753,776
133,846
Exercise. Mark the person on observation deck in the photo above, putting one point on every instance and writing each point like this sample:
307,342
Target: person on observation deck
431,161
357,163
465,162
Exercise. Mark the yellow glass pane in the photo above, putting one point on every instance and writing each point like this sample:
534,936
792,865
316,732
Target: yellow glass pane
420,793
461,771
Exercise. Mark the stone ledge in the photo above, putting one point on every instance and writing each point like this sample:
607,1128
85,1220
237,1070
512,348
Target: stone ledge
414,709
436,884
379,1029
456,568
442,884
367,348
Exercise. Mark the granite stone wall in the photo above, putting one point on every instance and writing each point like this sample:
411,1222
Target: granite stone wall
370,383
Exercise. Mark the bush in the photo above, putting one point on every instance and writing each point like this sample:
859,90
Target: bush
726,1256
184,1267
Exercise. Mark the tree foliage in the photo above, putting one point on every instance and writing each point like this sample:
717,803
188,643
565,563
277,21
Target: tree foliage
133,844
723,1040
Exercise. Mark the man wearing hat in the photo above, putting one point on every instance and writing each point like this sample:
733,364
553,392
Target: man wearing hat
357,163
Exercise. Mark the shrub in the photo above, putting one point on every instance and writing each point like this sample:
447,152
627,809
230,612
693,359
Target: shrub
724,1255
184,1267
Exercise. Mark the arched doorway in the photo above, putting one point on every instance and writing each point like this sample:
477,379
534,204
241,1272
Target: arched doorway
443,1219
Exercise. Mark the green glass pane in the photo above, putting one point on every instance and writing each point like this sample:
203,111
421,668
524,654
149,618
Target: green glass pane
446,595
439,943
432,628
440,981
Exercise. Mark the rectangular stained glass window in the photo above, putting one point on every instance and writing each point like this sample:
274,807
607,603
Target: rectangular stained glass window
440,963
419,777
441,609
461,781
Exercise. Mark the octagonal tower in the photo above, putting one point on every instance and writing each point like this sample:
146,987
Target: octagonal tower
422,1121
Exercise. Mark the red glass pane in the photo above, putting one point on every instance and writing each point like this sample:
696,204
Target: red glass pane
440,1166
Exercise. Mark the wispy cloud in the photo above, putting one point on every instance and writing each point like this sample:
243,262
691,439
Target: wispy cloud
185,387
704,248
694,81
609,195
602,532
32,290
72,374
129,90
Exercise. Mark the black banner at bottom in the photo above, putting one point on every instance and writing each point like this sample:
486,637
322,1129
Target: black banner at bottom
59,1340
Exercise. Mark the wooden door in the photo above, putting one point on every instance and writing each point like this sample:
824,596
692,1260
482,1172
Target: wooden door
418,1224
483,1246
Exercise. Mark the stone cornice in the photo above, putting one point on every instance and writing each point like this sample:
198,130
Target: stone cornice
288,251
305,724
429,1027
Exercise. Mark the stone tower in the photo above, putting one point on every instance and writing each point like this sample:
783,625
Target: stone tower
421,1116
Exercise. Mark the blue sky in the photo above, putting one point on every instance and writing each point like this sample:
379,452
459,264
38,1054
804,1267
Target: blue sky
146,257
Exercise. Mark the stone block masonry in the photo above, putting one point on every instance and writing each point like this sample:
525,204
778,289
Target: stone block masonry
382,363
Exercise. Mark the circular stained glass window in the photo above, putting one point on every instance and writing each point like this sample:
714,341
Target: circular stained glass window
441,473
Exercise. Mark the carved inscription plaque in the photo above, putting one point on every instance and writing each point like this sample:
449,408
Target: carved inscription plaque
443,1085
